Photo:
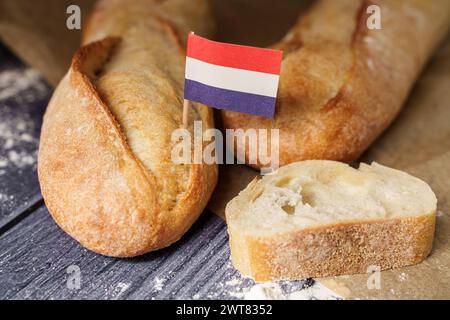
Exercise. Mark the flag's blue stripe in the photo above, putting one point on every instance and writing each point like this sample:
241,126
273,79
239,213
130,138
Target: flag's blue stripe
229,99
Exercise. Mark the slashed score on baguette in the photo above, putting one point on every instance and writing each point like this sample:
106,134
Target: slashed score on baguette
323,218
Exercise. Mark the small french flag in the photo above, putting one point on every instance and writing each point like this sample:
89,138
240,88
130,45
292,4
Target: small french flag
233,77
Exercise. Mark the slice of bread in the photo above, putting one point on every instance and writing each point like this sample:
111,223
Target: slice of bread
323,218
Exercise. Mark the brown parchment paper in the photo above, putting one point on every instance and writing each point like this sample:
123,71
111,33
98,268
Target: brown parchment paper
417,142
36,31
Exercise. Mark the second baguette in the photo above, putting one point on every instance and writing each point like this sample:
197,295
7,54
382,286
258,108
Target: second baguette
341,83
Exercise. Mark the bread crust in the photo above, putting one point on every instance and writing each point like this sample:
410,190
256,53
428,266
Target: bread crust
340,249
342,84
97,186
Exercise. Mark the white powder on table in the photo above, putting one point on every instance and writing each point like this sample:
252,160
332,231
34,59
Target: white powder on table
235,286
273,291
15,81
265,291
18,147
14,134
239,287
159,283
121,287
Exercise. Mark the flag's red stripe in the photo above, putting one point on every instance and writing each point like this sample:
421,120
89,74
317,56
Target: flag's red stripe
234,56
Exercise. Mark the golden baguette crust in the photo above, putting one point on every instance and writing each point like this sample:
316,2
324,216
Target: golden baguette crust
105,165
341,249
342,84
268,246
116,17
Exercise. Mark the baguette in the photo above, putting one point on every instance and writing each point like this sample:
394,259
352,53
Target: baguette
105,165
342,84
321,218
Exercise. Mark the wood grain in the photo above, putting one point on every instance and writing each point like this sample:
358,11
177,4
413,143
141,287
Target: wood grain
35,255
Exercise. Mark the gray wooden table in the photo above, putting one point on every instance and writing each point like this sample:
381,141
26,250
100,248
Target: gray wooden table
39,261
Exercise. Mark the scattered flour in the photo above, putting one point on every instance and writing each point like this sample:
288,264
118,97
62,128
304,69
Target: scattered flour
273,291
244,288
265,291
19,87
17,146
159,283
3,163
316,292
121,288
439,214
6,200
232,282
21,159
5,197
14,81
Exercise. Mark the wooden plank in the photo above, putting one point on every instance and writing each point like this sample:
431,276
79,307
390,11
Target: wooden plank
23,97
35,256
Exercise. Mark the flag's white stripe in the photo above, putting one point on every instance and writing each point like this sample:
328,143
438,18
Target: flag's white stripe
231,78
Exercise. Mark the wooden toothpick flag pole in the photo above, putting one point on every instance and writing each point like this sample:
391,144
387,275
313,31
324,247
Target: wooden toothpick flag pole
232,77
185,113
